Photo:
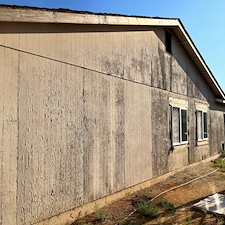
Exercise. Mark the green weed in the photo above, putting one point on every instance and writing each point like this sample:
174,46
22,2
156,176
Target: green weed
146,208
100,216
146,195
167,205
219,163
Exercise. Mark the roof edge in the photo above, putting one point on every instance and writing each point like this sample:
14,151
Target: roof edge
66,10
26,14
33,15
198,55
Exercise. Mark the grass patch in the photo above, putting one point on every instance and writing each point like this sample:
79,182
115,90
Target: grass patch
100,216
146,208
168,206
219,163
223,154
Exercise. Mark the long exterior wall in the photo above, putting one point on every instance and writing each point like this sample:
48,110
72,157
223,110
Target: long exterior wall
73,135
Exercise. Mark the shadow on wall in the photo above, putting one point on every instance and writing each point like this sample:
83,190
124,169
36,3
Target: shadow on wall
196,85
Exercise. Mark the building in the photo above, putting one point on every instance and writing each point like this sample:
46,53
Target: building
94,104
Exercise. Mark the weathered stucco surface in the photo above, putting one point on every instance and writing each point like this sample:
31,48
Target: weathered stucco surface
71,135
8,129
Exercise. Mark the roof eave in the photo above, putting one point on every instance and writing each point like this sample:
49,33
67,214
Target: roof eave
195,55
219,100
38,15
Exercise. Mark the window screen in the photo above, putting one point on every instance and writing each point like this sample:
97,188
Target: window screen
205,128
199,125
179,126
202,125
176,125
184,124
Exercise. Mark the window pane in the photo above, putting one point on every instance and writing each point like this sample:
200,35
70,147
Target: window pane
205,125
176,125
199,125
184,124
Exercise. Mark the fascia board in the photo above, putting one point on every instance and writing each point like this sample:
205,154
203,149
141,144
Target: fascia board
197,58
43,16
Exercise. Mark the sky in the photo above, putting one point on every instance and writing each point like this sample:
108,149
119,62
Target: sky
204,20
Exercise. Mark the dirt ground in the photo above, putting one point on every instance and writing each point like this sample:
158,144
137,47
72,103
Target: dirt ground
183,198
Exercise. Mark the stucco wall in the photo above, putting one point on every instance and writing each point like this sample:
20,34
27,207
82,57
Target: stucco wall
83,135
8,129
73,135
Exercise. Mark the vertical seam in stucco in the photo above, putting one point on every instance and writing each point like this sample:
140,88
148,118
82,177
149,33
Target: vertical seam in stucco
18,89
82,141
152,153
151,136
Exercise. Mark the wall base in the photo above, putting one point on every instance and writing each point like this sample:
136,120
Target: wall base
70,216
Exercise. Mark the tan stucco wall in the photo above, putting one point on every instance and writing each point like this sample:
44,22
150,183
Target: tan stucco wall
83,134
8,129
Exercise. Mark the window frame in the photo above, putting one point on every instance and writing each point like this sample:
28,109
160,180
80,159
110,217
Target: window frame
181,142
203,125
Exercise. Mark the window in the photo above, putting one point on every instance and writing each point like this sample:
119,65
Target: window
168,42
179,126
202,126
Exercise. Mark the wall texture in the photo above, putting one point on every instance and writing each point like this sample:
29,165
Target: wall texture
70,135
8,129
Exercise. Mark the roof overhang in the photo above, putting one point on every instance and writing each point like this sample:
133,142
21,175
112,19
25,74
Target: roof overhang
42,15
219,100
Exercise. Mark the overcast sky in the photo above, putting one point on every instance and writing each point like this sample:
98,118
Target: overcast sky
204,20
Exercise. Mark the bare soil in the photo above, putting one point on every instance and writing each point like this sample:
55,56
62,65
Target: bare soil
183,198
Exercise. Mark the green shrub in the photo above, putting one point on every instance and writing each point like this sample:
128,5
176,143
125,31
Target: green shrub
219,163
168,206
146,208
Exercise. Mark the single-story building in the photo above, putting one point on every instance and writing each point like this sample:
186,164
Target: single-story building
94,104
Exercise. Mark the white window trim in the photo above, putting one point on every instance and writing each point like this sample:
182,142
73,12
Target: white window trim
202,112
180,126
